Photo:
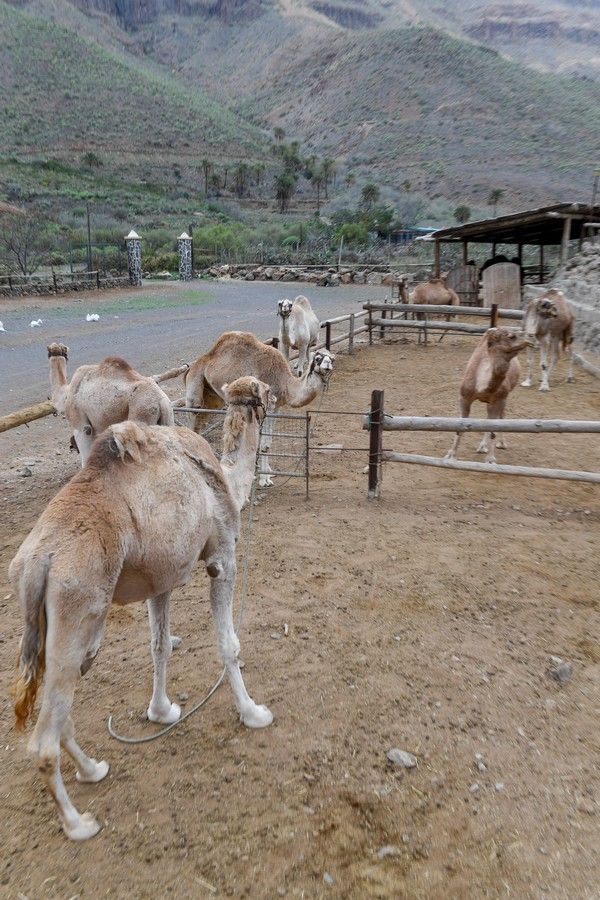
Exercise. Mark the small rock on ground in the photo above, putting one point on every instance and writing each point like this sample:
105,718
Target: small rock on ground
402,758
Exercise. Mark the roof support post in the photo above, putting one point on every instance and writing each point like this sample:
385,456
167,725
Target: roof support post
566,237
541,278
436,264
465,245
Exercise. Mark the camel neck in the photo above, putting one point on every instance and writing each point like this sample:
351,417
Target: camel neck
498,373
58,381
239,459
304,390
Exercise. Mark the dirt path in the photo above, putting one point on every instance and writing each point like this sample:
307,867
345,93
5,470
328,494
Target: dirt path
422,621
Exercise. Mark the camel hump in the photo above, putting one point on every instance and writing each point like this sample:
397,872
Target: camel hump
116,364
128,440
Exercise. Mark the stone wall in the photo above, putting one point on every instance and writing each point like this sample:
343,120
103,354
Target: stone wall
324,277
36,288
579,280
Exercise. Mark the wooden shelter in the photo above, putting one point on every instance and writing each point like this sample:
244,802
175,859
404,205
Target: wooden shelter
545,227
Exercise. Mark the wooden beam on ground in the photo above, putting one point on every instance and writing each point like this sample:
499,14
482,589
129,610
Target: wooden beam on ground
171,373
490,468
29,414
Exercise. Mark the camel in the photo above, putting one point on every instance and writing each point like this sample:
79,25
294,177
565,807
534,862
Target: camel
549,322
132,524
101,395
491,374
434,292
298,329
237,353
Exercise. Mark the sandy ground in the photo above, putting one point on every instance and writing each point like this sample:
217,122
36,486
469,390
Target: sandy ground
424,621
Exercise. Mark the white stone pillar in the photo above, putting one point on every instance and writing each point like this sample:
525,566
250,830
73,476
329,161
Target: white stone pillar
184,245
134,258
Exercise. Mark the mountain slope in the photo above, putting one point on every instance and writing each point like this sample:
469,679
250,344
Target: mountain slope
62,93
453,118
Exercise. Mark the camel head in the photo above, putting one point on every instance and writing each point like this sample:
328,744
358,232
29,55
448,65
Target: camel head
284,308
546,308
506,341
321,362
250,392
58,350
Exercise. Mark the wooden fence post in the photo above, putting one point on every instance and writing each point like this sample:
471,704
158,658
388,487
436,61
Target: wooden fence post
370,325
328,335
494,316
351,335
375,432
98,280
275,342
382,327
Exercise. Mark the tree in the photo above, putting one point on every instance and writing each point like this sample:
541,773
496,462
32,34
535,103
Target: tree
215,184
350,179
206,169
259,170
318,178
92,160
494,198
23,243
278,134
285,187
369,195
328,169
241,178
462,213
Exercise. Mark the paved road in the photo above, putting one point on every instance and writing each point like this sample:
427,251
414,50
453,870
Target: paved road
159,326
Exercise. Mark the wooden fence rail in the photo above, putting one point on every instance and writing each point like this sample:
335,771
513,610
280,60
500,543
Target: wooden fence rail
377,422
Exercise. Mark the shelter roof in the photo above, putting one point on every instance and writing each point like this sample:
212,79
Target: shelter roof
532,226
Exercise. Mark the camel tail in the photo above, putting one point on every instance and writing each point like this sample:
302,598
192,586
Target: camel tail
32,650
567,338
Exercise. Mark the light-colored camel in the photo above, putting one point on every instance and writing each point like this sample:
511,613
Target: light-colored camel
149,503
550,322
491,374
101,395
238,353
434,292
298,329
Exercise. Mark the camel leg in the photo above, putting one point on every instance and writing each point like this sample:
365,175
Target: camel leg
465,409
264,468
569,352
83,438
68,645
161,709
88,770
553,355
495,410
530,362
222,574
544,386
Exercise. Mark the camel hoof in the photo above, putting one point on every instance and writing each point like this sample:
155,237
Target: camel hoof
100,771
86,828
570,379
491,460
544,387
265,481
526,383
257,717
175,642
482,449
173,714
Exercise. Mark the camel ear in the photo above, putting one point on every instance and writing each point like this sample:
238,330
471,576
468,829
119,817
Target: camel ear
255,388
492,335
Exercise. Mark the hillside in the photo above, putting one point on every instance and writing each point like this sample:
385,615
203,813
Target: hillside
452,118
62,94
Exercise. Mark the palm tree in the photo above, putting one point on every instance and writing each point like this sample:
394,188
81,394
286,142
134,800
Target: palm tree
328,169
495,196
350,179
284,187
241,178
259,170
462,214
91,159
278,134
206,169
369,195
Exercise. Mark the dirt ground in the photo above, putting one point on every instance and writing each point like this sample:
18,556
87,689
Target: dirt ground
423,621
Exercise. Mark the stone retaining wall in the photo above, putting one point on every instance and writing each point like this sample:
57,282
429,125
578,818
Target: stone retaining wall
66,287
325,277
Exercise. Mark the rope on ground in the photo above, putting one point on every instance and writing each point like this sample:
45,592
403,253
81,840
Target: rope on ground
242,605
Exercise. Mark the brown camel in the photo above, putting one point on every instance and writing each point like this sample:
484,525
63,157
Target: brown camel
434,292
149,503
238,353
103,394
549,322
491,374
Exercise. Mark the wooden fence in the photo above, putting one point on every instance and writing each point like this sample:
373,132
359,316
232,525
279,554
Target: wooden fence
395,316
377,422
